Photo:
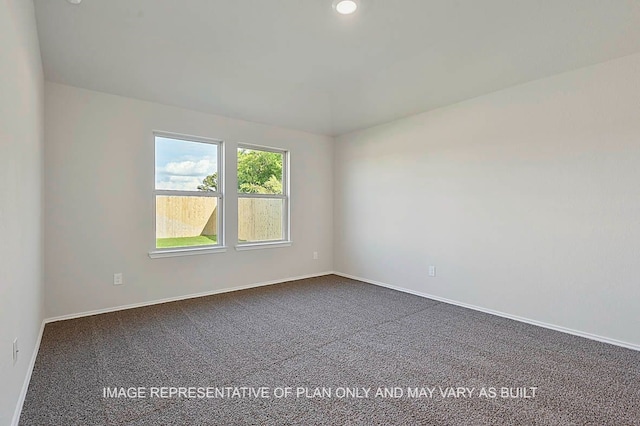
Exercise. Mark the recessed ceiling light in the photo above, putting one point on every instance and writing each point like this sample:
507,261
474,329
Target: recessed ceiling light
345,7
74,1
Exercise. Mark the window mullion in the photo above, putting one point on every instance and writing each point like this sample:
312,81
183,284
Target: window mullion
170,193
268,196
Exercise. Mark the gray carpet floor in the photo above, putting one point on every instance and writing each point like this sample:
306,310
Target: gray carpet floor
332,333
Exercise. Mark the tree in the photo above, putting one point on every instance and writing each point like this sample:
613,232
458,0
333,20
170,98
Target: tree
259,172
210,183
272,186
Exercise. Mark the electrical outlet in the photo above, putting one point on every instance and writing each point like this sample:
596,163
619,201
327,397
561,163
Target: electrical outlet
15,351
432,271
117,278
315,255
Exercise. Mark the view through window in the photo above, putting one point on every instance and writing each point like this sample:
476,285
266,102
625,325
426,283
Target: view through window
187,192
262,195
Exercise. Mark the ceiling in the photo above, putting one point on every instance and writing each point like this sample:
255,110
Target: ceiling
298,64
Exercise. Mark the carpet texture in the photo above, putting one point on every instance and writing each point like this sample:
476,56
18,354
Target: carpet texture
329,333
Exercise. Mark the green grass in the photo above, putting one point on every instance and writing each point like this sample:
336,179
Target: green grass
200,240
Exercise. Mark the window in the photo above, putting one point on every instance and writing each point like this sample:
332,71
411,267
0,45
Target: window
188,193
263,196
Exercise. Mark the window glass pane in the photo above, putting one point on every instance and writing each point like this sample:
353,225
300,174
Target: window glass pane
259,172
186,221
186,166
260,219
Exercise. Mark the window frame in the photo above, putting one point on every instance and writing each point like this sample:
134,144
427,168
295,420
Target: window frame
285,241
219,194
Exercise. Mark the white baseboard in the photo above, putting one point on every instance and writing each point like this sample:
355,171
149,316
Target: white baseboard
498,313
27,379
178,298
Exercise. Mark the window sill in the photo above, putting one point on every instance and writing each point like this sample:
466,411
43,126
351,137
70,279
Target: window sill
259,246
192,251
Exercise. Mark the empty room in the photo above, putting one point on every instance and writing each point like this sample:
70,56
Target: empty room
301,212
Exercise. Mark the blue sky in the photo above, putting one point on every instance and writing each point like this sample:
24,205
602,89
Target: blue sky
181,165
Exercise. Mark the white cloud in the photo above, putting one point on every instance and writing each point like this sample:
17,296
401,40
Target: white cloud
191,168
184,175
180,183
183,179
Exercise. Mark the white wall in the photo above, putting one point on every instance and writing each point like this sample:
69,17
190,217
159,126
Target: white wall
527,200
21,139
99,177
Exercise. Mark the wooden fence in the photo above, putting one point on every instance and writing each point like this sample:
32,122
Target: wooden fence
186,216
258,219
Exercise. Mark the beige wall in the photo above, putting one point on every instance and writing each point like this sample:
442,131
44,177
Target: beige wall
99,170
21,207
526,200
